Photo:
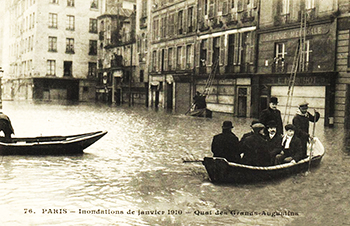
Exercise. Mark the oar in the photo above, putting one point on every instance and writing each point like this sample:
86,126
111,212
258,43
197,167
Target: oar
312,141
191,160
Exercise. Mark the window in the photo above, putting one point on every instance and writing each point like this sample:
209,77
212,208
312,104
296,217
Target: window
142,75
285,7
52,20
190,19
92,47
216,50
52,44
188,56
94,4
309,4
51,67
70,3
92,69
231,50
178,57
170,59
70,45
93,26
305,64
154,60
179,21
67,68
280,52
54,1
70,23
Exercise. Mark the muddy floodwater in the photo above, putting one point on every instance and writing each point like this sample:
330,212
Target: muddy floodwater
135,174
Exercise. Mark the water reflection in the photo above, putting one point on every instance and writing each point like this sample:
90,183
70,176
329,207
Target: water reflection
138,166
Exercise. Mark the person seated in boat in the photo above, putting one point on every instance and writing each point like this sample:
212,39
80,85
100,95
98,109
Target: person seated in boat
246,135
199,101
6,126
274,140
226,144
255,148
301,122
291,147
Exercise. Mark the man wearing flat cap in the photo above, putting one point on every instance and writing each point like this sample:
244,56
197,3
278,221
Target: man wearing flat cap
272,114
255,148
301,122
226,144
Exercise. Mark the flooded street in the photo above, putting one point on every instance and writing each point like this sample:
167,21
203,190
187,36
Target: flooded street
135,174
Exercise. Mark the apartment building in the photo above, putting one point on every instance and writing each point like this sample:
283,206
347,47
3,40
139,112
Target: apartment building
172,43
288,29
118,72
226,50
52,49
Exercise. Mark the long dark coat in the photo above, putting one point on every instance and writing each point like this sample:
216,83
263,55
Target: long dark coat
274,146
301,124
294,150
268,115
255,149
5,125
226,145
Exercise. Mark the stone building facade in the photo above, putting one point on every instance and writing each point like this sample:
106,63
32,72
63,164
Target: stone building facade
51,49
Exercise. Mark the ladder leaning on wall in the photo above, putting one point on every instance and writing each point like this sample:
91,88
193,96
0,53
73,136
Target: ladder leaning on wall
298,64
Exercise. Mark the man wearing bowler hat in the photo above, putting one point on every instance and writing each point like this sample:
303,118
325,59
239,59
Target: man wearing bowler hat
272,114
301,122
225,144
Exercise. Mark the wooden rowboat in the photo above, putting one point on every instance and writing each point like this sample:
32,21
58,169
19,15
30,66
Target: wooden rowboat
222,171
50,145
206,113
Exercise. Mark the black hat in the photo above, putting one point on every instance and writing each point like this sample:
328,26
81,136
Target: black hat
271,124
274,100
258,126
227,125
290,126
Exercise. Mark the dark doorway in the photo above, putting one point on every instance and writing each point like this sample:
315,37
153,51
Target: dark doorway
169,96
117,96
347,108
242,102
67,68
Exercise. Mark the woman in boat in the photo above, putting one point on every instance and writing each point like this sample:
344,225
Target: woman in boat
291,147
226,144
255,148
301,122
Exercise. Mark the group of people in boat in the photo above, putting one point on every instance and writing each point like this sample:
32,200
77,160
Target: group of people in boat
266,144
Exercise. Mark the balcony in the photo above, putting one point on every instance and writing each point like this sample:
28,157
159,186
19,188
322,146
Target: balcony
279,67
247,16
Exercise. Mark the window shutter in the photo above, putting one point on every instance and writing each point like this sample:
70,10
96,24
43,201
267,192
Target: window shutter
197,53
223,50
252,47
165,59
224,7
236,49
183,57
184,21
210,50
192,56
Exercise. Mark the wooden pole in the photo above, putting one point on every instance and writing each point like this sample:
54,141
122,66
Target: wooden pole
312,140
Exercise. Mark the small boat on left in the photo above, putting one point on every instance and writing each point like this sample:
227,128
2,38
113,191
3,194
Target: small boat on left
50,145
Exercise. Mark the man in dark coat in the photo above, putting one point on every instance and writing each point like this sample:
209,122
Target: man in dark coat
274,141
199,101
272,114
255,148
226,144
301,122
6,126
291,147
246,135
